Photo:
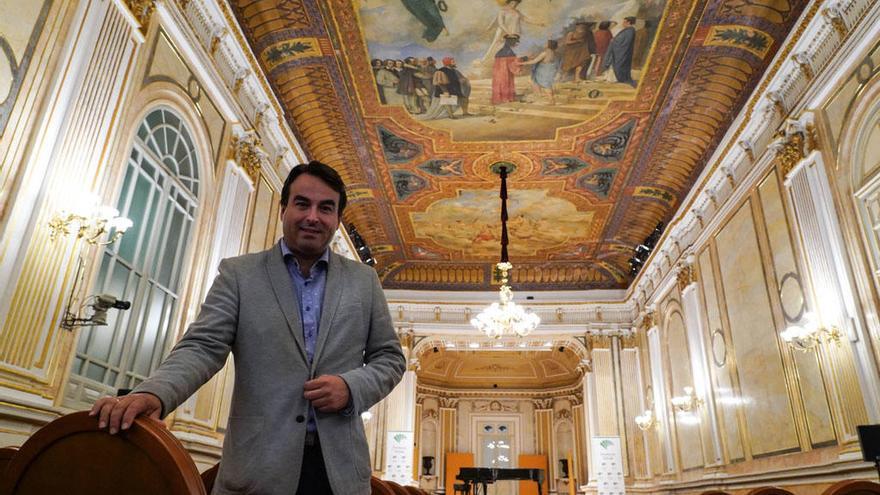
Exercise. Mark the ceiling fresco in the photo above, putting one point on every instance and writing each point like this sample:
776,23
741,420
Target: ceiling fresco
605,112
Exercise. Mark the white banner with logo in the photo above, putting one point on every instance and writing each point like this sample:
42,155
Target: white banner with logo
608,466
399,457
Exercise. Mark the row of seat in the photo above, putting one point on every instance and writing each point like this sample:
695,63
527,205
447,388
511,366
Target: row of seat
843,487
72,456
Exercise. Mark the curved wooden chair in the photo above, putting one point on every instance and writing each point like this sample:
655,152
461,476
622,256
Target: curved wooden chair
380,487
715,492
853,487
72,456
411,490
6,455
396,488
769,490
209,476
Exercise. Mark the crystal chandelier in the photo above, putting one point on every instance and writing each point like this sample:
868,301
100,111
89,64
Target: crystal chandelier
505,317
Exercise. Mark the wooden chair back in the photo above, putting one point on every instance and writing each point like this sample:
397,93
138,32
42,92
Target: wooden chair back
396,488
210,476
72,456
380,487
6,454
853,487
769,490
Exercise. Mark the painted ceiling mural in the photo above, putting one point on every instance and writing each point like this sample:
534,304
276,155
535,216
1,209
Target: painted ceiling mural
604,112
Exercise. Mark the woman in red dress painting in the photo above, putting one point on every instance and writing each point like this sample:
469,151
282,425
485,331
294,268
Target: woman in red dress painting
505,68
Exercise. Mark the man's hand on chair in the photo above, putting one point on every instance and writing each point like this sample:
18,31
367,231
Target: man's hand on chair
118,413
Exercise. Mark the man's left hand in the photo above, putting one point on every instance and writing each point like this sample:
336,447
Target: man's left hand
328,393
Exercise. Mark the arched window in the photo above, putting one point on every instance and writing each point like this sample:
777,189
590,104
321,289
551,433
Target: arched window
160,194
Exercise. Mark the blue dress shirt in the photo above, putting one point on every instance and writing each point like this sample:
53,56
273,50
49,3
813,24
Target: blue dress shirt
310,293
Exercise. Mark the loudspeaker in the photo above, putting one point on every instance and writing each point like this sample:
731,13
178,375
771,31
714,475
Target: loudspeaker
869,437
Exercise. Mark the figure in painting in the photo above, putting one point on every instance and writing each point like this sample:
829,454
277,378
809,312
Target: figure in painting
504,71
579,47
603,40
376,64
386,78
449,84
428,13
426,77
508,22
545,70
641,45
620,53
409,85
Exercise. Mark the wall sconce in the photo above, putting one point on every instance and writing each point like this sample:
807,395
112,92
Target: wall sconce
98,226
90,224
687,402
647,420
809,335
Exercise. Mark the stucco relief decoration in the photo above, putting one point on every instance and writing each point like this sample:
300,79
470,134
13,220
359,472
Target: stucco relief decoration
563,414
247,151
543,403
429,414
686,276
142,10
448,402
793,145
495,406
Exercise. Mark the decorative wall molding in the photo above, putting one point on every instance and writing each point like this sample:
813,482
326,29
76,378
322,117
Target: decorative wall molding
221,38
817,41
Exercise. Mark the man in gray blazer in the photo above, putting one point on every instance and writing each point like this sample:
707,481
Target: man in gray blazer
314,346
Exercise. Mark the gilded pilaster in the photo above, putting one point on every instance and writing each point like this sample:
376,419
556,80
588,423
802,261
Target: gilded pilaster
34,351
544,435
853,381
448,434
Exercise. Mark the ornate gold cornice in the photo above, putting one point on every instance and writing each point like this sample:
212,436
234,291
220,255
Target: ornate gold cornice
791,152
685,277
648,321
142,10
247,151
797,142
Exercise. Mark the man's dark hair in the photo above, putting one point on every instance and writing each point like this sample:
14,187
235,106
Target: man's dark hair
630,19
327,174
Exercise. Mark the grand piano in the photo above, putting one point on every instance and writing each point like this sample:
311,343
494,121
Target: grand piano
481,476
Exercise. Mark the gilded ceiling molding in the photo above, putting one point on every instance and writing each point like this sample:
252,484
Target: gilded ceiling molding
802,59
833,13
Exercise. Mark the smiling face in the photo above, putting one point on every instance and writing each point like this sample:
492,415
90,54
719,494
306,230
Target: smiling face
310,217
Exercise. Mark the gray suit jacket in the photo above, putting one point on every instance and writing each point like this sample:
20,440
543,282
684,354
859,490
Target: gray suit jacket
252,311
